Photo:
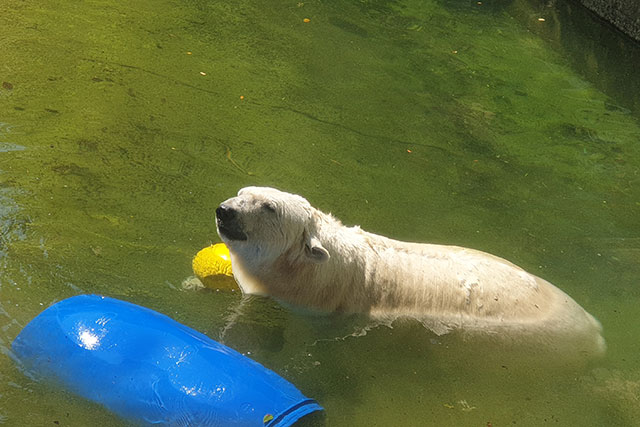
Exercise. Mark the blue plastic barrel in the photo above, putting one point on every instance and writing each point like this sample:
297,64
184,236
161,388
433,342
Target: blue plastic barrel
150,369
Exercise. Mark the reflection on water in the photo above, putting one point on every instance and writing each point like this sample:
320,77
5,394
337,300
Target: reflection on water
6,130
506,127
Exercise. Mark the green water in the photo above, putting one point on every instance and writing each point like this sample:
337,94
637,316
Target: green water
124,124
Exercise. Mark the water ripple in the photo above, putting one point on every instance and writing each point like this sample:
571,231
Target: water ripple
6,129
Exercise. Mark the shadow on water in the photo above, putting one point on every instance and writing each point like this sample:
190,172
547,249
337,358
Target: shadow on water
596,50
342,359
259,325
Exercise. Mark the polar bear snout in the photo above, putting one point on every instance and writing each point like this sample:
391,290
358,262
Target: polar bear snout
225,213
229,224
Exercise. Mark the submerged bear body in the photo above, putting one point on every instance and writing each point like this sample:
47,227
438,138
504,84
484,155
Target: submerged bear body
282,247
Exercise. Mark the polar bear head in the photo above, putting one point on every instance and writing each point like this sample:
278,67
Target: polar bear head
262,224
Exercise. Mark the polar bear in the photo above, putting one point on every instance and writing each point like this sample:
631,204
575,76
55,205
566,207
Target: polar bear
283,247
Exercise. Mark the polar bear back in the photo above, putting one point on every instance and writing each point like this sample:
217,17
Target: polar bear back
466,286
451,279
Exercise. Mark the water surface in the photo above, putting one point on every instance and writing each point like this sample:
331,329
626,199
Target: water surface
510,127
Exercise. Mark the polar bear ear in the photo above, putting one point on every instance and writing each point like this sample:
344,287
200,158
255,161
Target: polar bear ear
315,251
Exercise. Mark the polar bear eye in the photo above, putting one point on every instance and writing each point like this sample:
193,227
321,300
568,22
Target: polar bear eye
269,207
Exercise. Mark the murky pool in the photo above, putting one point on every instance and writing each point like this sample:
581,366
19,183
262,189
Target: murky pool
510,127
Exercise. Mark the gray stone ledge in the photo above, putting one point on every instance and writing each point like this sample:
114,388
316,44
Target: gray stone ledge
624,14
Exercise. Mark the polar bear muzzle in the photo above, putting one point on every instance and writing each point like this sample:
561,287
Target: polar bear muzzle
229,224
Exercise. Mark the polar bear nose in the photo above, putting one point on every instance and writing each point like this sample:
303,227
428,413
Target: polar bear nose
228,223
225,213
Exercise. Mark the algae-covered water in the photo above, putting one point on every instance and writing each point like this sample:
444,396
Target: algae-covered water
508,126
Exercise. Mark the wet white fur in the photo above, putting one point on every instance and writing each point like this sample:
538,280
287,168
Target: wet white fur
308,258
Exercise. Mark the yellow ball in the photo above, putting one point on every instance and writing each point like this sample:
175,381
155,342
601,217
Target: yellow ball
213,260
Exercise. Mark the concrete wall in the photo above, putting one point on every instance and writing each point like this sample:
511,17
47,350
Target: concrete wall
624,14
